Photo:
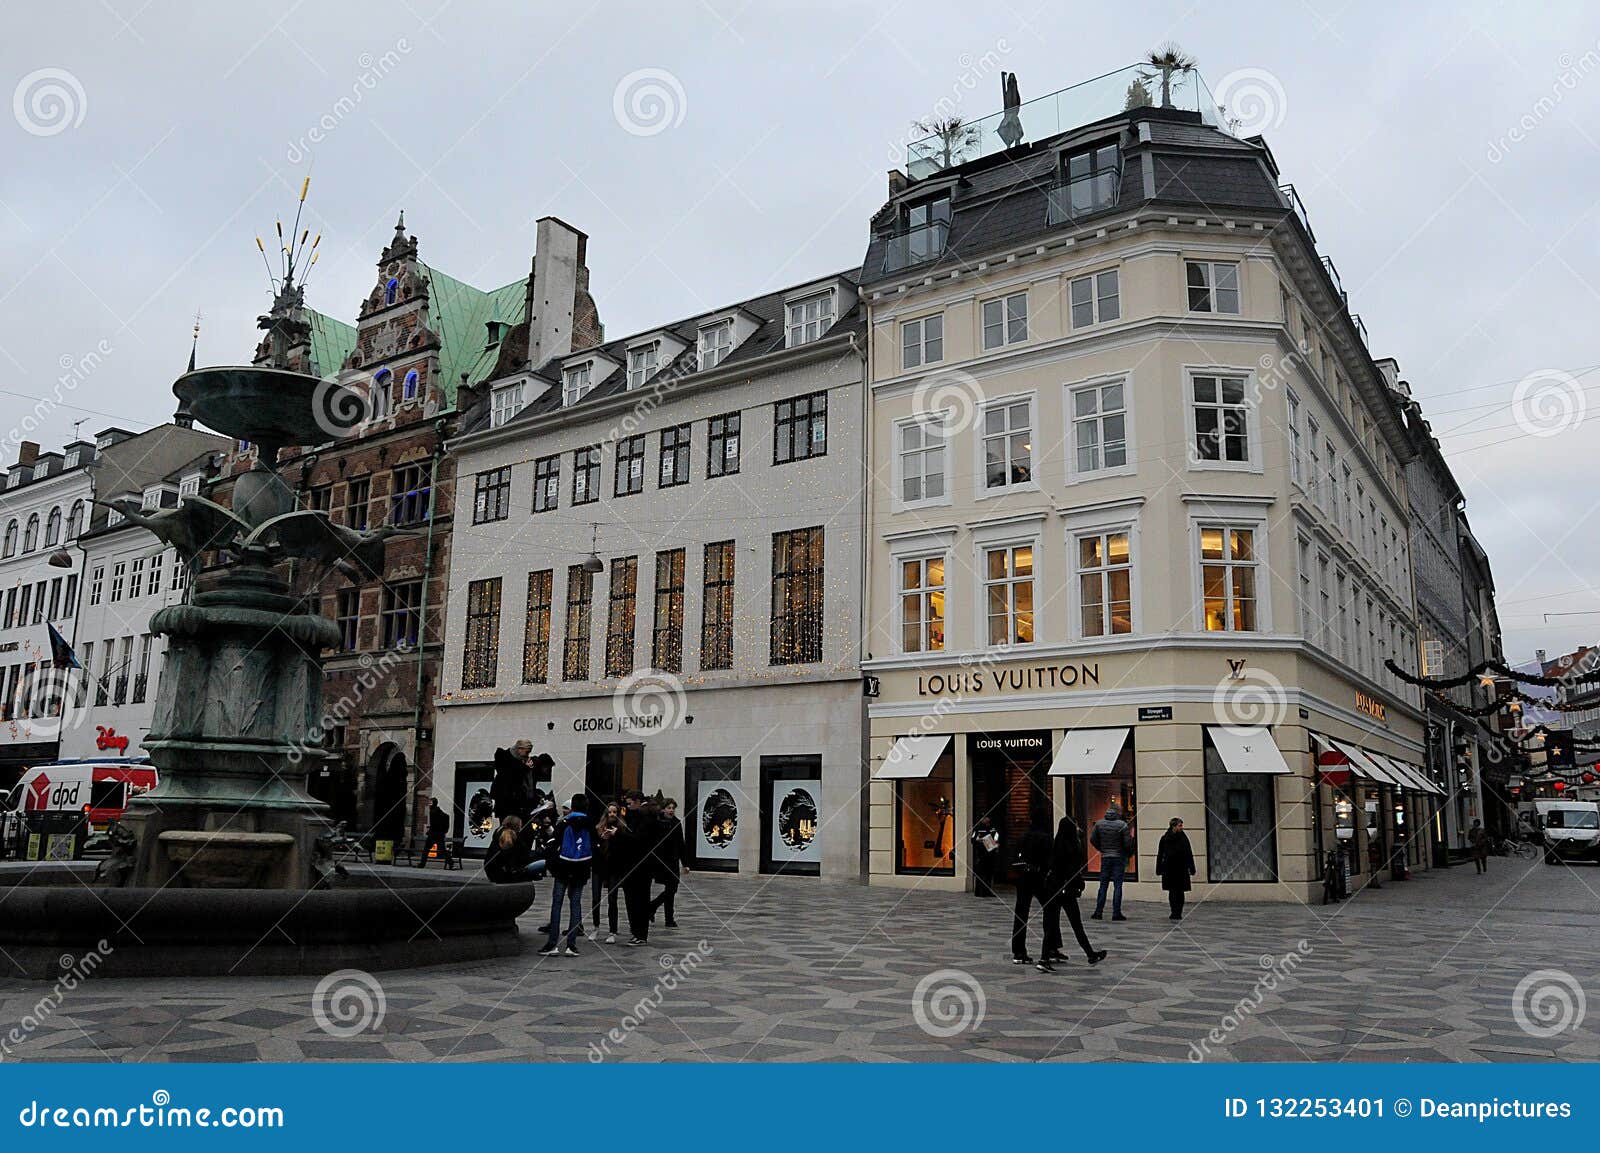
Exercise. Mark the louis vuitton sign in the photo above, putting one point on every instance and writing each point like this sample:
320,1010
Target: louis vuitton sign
1026,679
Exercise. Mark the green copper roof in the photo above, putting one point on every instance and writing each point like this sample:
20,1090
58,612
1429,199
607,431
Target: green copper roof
459,314
331,342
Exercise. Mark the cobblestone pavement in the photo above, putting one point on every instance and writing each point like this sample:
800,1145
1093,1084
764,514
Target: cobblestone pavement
789,969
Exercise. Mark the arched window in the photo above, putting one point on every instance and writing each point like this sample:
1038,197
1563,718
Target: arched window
75,520
411,385
52,528
30,536
11,539
391,291
380,397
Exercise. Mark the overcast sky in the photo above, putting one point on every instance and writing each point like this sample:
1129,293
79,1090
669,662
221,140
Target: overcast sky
1448,156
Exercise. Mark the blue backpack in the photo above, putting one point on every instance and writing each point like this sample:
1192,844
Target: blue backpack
577,840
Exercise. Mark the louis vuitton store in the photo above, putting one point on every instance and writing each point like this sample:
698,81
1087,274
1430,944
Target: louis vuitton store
1040,741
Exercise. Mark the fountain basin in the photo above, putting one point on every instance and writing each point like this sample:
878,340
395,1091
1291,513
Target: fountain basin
53,916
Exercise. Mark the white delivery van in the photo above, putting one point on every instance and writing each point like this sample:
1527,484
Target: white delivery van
1571,830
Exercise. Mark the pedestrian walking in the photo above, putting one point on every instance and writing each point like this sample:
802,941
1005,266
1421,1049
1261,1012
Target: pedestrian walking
669,863
605,873
1114,838
1175,865
1062,890
985,856
438,834
1033,873
635,843
1478,838
569,869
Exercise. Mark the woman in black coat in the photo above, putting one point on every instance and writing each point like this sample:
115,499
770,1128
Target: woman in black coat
1175,865
1062,890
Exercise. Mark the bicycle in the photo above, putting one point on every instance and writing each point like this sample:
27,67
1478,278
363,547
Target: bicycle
1506,847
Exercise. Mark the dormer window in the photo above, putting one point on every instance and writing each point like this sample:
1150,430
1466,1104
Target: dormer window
577,381
189,486
103,441
808,319
504,404
151,499
15,478
113,517
642,363
71,460
1088,183
391,291
41,470
716,341
412,385
924,227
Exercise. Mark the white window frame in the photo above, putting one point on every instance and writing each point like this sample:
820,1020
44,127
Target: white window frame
1297,473
1076,533
577,380
1008,323
1129,465
920,557
809,318
71,459
644,361
1249,513
1009,547
1211,287
918,326
716,349
504,403
189,486
1097,312
938,422
1252,423
981,488
1305,586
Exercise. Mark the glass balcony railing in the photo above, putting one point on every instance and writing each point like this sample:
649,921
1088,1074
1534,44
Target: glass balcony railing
916,245
1135,86
1072,200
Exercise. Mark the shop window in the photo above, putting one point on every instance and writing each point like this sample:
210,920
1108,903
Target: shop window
1241,837
791,814
1088,798
1010,783
925,821
713,822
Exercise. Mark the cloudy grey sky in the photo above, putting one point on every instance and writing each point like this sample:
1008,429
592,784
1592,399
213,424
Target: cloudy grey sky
1448,156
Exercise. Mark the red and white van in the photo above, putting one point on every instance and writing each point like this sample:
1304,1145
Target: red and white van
99,789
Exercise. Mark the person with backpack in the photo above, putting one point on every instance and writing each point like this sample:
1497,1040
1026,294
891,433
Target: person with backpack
1114,838
573,857
1033,870
669,863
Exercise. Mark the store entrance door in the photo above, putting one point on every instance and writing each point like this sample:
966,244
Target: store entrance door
1009,784
611,770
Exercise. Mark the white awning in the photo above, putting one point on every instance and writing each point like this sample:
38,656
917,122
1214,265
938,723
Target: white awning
912,758
1248,750
1395,769
1088,752
1414,776
1364,765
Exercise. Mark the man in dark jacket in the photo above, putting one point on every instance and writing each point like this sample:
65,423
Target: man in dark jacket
571,860
1033,872
438,834
1062,890
669,863
1114,838
511,788
1175,865
633,848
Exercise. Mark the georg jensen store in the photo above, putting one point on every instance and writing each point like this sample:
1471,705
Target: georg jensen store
1008,740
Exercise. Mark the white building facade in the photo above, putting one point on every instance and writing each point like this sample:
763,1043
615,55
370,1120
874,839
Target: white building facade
708,646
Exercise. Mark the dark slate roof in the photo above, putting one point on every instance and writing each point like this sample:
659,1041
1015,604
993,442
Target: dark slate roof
766,311
1001,202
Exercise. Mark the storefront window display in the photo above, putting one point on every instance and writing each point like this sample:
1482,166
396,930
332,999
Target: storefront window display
1010,782
1241,838
1088,798
711,805
925,821
791,814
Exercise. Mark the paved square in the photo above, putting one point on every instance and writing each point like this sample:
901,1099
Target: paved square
794,970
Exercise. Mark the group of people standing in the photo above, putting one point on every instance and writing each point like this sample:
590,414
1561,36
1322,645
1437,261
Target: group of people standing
1050,872
632,844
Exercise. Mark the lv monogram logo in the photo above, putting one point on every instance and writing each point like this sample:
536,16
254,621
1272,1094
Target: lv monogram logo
1236,667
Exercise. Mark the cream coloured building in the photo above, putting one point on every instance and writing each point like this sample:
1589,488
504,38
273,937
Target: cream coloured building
1137,524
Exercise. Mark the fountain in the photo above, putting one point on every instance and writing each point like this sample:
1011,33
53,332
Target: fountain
226,866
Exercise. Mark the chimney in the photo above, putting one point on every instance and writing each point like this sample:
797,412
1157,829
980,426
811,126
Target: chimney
897,182
1390,367
558,274
27,452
